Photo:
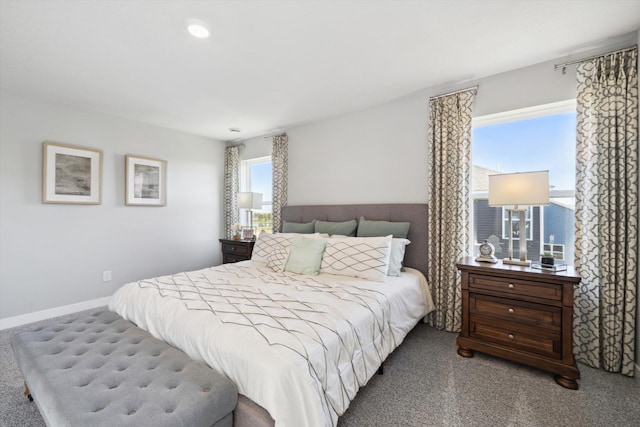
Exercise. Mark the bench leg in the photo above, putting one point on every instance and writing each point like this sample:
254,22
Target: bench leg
27,392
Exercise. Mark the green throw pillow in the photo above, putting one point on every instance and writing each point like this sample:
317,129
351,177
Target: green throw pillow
367,228
305,255
298,227
344,228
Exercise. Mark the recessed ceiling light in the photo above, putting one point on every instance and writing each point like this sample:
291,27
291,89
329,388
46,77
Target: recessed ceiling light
234,130
197,28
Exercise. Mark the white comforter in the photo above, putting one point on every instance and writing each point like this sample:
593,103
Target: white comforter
300,346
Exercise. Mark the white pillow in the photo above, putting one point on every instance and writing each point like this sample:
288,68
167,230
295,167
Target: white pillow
267,242
397,256
277,259
365,257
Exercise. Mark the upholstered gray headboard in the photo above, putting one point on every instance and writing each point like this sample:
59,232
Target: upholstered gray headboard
415,213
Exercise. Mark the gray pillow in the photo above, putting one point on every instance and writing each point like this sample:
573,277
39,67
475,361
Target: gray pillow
367,228
298,227
344,228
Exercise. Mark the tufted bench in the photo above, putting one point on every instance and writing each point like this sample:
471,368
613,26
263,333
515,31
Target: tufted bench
101,370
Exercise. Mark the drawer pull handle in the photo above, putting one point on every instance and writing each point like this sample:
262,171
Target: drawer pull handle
511,310
511,336
511,286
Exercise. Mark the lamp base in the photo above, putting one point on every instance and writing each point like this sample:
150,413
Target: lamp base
525,263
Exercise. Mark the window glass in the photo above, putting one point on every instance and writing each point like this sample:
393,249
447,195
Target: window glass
540,138
256,177
515,224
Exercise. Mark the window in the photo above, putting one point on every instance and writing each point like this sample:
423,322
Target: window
515,224
537,138
255,176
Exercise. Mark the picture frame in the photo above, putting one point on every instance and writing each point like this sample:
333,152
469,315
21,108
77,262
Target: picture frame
145,181
247,233
71,174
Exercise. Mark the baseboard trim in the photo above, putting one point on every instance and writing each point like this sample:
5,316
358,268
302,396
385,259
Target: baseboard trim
12,322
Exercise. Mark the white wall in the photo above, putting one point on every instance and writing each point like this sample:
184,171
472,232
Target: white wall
54,255
254,147
526,87
376,155
381,154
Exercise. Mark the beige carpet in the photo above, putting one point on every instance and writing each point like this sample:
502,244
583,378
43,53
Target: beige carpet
427,384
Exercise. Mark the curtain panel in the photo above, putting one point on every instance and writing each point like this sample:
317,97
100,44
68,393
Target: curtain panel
231,188
279,162
606,223
449,203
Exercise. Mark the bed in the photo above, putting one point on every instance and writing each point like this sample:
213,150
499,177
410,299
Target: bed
300,346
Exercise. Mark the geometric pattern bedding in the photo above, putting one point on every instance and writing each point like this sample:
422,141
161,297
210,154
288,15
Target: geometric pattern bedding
340,331
365,257
297,324
267,242
277,259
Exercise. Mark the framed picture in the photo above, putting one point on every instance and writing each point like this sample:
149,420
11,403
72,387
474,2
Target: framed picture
146,181
247,233
71,174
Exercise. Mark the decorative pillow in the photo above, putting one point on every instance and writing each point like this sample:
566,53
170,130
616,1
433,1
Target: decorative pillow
365,257
367,228
311,236
277,258
298,227
397,256
345,228
266,243
305,255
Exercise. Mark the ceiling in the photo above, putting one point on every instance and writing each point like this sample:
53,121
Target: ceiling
270,65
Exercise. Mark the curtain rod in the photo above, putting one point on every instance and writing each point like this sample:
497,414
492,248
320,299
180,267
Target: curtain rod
473,88
577,61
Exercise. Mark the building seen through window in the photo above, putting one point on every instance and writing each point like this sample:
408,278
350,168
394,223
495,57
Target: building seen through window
535,139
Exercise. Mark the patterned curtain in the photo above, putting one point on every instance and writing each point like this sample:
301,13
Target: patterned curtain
231,187
606,253
449,206
279,161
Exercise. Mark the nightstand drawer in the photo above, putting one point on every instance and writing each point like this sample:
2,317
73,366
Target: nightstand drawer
236,250
517,336
544,316
226,259
231,249
516,287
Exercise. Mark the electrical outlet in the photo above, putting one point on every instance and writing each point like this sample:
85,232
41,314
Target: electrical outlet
106,276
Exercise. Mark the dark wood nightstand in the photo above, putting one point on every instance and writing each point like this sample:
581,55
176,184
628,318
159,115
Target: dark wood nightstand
236,250
520,314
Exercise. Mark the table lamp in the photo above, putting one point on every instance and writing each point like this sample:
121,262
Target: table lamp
518,190
250,201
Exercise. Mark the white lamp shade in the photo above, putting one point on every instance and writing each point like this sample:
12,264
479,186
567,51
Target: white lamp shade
523,188
250,200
